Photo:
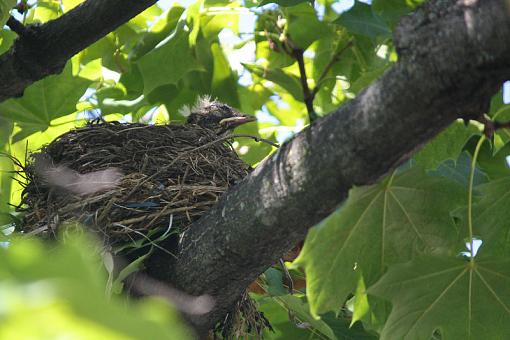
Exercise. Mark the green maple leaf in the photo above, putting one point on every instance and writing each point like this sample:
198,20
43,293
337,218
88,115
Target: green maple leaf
360,19
289,82
447,145
387,223
392,10
462,300
303,25
48,99
5,8
285,3
171,60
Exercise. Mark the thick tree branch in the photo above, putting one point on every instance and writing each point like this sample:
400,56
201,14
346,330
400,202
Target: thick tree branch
43,50
453,58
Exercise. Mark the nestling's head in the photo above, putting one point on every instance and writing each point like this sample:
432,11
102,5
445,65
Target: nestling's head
211,114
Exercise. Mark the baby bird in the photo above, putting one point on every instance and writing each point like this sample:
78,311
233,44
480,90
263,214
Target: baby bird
211,114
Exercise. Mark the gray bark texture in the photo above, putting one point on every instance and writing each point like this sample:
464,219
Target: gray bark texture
453,56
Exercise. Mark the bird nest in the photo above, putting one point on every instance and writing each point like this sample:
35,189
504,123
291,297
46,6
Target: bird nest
133,185
127,182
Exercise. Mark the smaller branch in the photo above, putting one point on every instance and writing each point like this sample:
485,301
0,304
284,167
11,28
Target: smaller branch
490,126
502,125
16,26
307,94
287,276
255,138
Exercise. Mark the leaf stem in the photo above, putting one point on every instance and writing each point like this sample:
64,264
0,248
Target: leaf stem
470,194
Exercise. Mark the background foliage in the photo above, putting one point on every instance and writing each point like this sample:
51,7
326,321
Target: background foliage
397,260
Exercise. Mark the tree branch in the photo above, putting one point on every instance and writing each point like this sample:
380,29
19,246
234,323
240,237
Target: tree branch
42,50
438,78
16,26
298,54
309,95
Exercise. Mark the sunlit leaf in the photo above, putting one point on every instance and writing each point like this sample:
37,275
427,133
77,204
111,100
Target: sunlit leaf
167,63
48,99
132,82
104,48
303,25
252,98
60,293
224,81
5,8
159,31
70,4
149,15
6,40
109,106
289,82
193,17
6,166
289,111
285,3
45,10
216,19
275,58
371,310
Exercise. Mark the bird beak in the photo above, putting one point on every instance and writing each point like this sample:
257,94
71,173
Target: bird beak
237,120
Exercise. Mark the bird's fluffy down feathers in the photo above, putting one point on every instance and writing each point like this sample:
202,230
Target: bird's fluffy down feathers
202,103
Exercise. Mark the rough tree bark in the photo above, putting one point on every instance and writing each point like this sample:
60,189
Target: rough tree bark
453,56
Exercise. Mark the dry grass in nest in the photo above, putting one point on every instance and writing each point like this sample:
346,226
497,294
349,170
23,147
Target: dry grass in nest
170,173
